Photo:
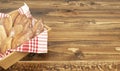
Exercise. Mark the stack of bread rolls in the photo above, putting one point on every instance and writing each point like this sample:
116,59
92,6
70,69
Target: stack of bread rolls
16,29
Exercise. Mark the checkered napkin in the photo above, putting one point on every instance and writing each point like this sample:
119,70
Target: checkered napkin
36,45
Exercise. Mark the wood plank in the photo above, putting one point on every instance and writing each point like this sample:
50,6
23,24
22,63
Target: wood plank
84,33
82,25
85,47
64,56
76,20
81,5
78,13
66,37
9,60
44,11
66,66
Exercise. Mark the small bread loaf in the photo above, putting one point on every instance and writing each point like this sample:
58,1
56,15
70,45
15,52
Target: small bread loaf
21,38
14,15
6,44
2,33
16,29
7,23
3,36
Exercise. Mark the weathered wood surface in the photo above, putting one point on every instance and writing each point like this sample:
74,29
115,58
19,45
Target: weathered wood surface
91,26
65,66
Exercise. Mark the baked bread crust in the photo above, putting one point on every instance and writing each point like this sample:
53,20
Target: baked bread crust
18,28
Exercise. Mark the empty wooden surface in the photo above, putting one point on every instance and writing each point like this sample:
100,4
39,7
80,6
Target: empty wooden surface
91,26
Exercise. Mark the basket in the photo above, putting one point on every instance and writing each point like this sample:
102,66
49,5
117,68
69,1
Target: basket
13,57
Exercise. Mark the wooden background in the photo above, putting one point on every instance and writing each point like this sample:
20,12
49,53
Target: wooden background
92,27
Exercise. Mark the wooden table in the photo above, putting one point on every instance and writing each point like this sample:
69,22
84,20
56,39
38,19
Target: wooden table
84,35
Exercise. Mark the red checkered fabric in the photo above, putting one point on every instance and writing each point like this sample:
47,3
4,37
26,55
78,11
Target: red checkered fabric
36,45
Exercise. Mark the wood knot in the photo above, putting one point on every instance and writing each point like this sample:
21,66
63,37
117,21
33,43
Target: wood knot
117,48
77,52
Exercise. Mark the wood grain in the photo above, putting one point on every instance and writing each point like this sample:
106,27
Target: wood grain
91,26
66,66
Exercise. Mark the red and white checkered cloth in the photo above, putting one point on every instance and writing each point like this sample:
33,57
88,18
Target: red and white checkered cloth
36,45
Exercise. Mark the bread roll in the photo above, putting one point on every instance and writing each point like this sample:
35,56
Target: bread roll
16,30
21,38
25,33
2,34
6,44
14,15
21,19
7,23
